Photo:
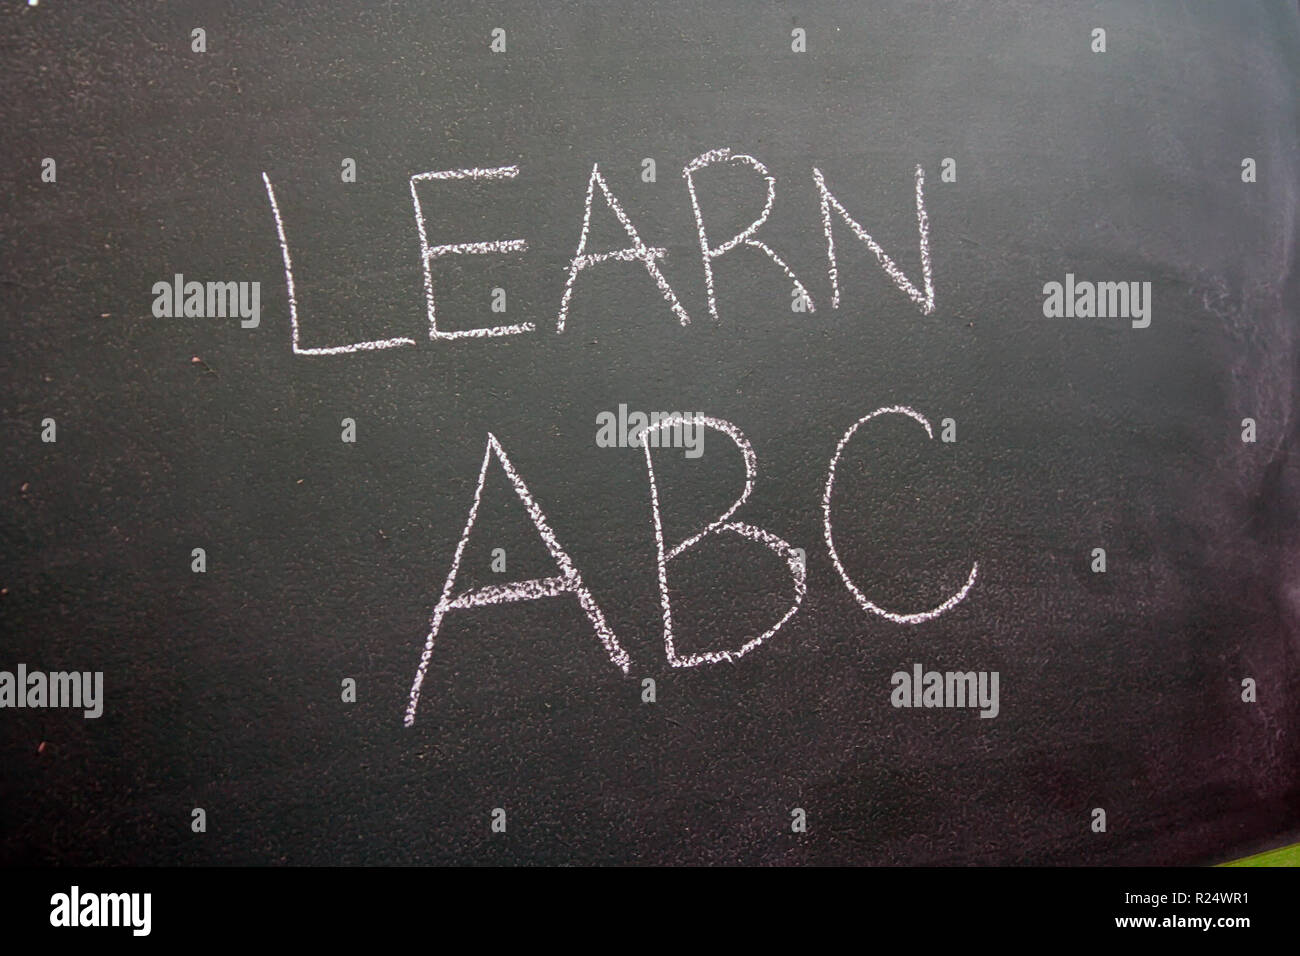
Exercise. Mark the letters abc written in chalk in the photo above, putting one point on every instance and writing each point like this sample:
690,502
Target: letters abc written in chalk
568,580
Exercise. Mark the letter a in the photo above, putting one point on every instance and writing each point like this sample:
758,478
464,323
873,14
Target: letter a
637,252
566,582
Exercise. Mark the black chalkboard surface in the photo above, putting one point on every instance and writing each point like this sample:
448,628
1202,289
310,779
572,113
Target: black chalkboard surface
331,333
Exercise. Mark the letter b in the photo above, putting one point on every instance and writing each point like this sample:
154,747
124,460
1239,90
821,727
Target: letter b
778,546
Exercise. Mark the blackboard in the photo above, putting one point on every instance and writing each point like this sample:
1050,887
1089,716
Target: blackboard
266,679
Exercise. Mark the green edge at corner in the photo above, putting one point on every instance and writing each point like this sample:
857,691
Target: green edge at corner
1283,856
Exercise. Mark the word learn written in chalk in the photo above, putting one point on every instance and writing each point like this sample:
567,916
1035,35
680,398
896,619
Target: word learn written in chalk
637,251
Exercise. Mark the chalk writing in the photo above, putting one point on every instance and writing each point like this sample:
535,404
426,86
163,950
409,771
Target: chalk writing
568,581
638,251
863,600
293,299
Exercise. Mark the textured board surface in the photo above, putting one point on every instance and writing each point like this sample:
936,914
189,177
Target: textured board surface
325,559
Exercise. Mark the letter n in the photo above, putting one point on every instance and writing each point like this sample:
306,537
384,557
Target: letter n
922,300
568,581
